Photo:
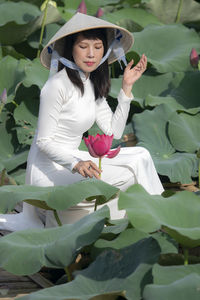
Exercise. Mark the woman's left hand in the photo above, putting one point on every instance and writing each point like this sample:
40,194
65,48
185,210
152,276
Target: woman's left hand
132,75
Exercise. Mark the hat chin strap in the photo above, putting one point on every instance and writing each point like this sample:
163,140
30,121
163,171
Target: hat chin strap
115,47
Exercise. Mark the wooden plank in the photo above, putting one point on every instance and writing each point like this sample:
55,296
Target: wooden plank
41,281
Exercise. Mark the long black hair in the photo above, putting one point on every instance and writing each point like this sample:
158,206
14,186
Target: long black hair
100,76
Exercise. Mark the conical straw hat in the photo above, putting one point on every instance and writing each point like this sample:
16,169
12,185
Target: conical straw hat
80,22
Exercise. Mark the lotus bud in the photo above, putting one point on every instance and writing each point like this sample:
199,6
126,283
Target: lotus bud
194,58
3,97
82,8
99,13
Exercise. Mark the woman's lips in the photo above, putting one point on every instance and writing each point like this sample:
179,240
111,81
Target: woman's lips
89,63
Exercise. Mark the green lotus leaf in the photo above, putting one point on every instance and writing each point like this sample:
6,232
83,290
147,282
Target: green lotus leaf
184,132
26,113
166,11
25,252
157,100
49,31
10,51
139,18
35,74
185,88
173,45
12,73
164,275
131,236
177,166
70,7
11,154
154,85
184,289
124,271
57,197
115,227
19,20
152,212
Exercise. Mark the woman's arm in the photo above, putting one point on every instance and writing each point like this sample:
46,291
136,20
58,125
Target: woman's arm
53,95
115,123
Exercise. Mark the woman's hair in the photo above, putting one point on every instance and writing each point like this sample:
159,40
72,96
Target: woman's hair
100,76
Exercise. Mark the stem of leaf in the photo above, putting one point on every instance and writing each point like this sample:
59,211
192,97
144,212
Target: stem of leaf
199,173
186,254
3,175
113,70
179,11
57,217
68,273
42,28
69,276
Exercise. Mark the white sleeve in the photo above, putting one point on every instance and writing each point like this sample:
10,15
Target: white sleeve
113,123
52,97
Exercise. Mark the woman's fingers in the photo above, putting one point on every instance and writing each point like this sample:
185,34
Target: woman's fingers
88,169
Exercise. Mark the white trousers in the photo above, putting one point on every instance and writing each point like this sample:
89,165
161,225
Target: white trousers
131,165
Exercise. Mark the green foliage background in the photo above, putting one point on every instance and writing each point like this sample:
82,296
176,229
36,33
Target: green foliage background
129,258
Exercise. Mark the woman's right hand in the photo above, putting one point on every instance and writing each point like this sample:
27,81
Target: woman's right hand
87,169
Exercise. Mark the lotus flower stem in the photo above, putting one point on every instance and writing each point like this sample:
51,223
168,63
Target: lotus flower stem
100,166
95,206
3,176
179,11
57,217
199,173
42,28
186,256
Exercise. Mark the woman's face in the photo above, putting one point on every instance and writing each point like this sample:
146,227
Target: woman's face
87,53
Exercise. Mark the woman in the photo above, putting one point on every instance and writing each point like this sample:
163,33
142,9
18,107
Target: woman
71,101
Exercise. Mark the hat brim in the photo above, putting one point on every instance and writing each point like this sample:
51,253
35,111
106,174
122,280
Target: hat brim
78,24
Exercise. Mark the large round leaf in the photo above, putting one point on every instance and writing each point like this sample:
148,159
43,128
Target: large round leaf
185,88
177,166
131,18
183,289
49,31
124,271
26,113
170,52
12,72
131,236
19,20
25,252
55,197
166,11
35,74
152,212
11,154
70,7
184,132
154,85
169,274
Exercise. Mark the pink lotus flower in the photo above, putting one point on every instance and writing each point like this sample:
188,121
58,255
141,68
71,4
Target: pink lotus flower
99,146
99,13
82,8
194,58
